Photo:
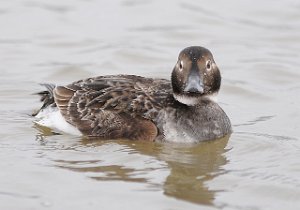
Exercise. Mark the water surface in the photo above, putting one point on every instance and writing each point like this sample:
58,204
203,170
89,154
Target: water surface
256,46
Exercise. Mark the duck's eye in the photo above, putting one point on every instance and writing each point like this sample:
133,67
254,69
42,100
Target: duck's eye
180,65
208,65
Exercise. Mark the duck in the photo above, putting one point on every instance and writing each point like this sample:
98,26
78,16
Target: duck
183,109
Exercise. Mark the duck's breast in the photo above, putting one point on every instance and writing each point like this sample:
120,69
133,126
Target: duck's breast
193,124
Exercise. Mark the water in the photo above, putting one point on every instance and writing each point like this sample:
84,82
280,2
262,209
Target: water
256,46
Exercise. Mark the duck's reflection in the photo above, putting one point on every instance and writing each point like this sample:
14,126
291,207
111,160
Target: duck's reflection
182,170
191,168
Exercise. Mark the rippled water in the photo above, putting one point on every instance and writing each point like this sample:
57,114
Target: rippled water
257,47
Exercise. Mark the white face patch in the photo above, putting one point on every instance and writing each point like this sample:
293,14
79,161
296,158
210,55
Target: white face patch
214,66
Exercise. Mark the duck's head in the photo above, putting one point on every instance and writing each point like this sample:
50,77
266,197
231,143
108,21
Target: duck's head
195,76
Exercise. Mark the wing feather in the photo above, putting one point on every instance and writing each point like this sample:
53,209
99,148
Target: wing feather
110,106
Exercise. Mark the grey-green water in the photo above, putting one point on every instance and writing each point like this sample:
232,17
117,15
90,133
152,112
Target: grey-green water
256,45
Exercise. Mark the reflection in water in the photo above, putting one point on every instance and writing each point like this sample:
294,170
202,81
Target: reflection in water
183,170
104,173
191,167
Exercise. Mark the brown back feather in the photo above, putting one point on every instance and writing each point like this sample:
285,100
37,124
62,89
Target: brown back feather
113,106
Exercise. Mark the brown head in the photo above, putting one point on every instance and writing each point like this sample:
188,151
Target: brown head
195,76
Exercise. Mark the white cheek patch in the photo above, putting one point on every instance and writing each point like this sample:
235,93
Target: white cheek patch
213,65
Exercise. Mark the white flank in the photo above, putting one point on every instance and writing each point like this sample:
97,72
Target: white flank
52,118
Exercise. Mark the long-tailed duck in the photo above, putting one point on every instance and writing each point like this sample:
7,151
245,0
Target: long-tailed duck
138,108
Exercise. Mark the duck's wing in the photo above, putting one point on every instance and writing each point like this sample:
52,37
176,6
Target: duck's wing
108,105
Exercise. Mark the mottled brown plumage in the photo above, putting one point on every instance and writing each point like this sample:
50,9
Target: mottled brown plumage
121,106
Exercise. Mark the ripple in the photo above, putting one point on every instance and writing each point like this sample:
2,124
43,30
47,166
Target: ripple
255,121
57,8
13,194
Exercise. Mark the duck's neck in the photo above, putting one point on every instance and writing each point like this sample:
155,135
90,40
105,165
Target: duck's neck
193,100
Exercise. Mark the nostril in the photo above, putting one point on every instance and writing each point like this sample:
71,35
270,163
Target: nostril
193,90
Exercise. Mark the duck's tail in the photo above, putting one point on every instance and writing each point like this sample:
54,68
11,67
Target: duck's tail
46,97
